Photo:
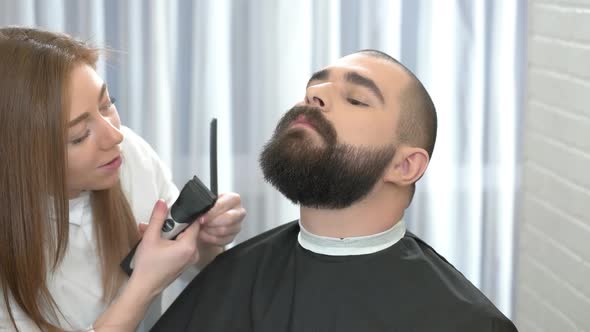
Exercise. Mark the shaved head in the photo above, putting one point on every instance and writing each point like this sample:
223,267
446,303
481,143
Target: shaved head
417,122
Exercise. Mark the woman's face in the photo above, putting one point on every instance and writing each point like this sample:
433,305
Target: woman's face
94,154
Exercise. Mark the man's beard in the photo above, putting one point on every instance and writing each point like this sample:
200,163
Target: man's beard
329,175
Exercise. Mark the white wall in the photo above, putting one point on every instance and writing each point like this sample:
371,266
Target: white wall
553,272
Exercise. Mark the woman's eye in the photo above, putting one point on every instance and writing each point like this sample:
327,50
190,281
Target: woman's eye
80,139
356,102
108,106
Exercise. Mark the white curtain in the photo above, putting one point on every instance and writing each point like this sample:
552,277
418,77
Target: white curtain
174,64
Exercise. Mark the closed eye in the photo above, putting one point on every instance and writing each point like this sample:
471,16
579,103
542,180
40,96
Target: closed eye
80,139
356,102
108,106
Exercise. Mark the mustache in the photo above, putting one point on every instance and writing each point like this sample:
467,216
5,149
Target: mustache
314,116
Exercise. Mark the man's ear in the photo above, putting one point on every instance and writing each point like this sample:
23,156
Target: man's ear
408,166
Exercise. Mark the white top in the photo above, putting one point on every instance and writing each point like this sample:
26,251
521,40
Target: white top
350,246
76,285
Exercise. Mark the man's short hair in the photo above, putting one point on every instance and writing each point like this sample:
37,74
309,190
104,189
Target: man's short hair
417,122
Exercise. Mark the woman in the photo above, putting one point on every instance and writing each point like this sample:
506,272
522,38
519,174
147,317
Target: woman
74,184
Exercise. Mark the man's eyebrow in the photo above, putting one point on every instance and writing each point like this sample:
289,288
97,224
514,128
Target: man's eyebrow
366,82
79,119
319,75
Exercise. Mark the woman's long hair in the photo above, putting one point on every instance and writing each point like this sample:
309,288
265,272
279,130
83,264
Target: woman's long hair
35,70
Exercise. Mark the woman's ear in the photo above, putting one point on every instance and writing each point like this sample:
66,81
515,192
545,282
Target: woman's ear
408,166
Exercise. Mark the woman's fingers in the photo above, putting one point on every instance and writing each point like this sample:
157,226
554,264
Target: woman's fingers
224,203
159,214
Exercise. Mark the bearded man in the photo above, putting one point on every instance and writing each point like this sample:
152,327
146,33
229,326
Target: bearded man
349,154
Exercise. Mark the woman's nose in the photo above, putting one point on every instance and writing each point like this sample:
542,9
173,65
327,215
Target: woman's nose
110,135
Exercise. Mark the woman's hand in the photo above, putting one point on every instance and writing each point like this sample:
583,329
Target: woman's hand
220,226
158,261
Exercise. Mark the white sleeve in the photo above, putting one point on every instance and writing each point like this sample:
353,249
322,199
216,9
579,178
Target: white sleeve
22,324
144,177
167,190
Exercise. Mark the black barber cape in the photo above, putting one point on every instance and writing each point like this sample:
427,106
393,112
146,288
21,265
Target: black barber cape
271,284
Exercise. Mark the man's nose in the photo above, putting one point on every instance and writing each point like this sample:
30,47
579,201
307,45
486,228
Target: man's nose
315,101
317,96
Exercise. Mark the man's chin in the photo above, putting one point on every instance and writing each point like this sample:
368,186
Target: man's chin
300,134
318,205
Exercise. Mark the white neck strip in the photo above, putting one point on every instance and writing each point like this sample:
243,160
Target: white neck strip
351,246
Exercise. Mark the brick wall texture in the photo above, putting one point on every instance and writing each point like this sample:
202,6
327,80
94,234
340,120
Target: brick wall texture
553,254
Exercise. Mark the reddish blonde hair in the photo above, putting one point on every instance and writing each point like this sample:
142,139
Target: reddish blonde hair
34,225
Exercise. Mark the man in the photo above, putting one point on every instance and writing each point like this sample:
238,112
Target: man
349,154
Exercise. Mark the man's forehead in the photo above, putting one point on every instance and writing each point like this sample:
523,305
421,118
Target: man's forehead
371,64
387,75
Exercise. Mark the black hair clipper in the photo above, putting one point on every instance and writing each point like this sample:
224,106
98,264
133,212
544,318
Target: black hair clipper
195,199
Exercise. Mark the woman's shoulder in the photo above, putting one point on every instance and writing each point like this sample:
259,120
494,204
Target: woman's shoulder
139,155
135,145
22,321
144,177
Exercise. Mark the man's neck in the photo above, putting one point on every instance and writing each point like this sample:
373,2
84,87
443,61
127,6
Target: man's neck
376,213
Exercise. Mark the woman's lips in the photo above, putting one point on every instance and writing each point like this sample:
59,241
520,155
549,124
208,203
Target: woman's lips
113,164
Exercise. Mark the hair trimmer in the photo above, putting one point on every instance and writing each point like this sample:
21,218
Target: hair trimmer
195,199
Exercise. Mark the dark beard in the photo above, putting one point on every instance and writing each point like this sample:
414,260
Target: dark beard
330,175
